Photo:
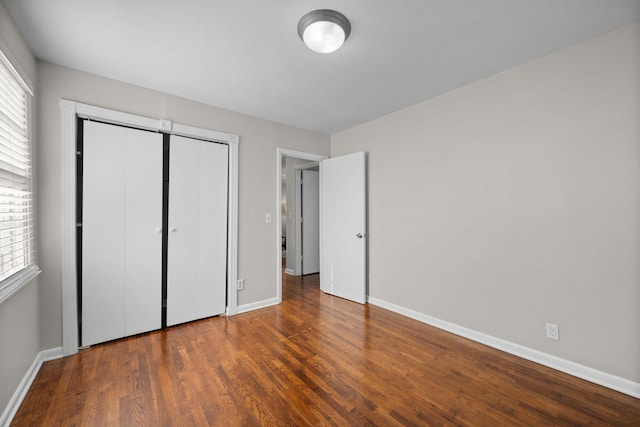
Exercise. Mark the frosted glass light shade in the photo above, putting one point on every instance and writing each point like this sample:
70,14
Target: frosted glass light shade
324,30
323,36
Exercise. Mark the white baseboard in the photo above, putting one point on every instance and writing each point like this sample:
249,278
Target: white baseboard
290,271
23,387
258,305
563,365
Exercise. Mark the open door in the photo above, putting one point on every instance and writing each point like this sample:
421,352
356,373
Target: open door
343,227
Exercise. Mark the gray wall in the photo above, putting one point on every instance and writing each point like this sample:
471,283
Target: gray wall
259,140
19,325
515,201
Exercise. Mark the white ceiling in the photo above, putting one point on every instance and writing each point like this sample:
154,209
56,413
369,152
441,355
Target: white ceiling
246,56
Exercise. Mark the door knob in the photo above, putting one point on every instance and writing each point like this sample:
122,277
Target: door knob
173,230
359,235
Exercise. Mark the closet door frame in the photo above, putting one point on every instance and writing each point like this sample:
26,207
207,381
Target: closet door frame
70,112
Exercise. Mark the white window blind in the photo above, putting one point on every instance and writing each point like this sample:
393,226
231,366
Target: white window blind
17,249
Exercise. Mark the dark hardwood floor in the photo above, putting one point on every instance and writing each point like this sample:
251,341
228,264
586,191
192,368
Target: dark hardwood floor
313,360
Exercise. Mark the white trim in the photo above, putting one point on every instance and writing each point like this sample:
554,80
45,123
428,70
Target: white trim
290,272
14,68
258,305
141,122
307,165
68,255
563,365
70,110
313,157
11,285
211,135
22,389
116,117
232,236
285,152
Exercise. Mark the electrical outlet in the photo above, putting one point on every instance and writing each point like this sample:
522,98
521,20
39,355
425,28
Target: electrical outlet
240,284
553,332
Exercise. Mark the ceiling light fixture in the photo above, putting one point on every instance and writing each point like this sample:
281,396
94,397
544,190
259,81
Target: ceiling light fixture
324,30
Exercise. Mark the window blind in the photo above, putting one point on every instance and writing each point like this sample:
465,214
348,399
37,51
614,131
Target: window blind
17,249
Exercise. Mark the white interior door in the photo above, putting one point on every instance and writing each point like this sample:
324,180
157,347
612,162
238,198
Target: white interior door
310,222
197,248
121,248
343,227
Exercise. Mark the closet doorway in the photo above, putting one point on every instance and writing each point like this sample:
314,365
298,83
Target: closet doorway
152,230
188,138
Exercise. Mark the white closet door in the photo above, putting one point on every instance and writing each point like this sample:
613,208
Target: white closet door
143,238
197,251
121,250
103,229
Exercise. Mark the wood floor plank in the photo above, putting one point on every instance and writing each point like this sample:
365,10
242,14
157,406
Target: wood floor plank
312,360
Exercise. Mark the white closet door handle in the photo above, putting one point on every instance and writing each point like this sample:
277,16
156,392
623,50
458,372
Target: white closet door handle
173,230
159,230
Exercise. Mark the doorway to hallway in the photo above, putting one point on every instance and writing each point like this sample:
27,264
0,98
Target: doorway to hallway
298,242
300,219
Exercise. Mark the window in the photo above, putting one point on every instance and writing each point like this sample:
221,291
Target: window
17,248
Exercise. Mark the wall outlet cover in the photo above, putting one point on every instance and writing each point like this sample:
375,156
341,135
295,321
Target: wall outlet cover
553,332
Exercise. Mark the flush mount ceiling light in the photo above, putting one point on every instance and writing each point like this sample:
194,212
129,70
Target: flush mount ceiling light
324,30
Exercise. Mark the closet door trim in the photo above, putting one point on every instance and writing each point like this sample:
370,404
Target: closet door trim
70,111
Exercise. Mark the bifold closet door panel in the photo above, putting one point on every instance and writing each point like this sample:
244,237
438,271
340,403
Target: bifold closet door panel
197,251
143,247
103,228
121,248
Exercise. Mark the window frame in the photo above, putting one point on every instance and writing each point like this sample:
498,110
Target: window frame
10,285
